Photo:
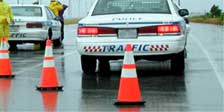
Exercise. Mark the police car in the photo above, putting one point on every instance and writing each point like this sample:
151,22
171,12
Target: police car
34,24
156,29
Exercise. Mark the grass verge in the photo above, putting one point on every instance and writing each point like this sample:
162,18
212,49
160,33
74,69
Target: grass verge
71,21
204,19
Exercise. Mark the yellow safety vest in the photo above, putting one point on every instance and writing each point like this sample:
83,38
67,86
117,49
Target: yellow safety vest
56,7
6,15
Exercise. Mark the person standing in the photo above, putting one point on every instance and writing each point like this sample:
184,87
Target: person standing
55,7
6,17
61,14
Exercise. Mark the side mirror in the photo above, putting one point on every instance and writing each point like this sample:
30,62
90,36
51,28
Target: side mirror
183,12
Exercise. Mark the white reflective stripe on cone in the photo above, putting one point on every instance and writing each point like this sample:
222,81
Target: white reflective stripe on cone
4,56
4,46
129,58
49,52
48,63
129,73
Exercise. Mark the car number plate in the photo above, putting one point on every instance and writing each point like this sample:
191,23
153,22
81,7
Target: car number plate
127,33
14,28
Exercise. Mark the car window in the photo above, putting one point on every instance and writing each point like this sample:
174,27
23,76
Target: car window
49,14
131,6
53,15
28,11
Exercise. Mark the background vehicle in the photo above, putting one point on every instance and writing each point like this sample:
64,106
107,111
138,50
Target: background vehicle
34,24
156,29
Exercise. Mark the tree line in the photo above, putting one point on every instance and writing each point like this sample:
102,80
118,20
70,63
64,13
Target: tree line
215,11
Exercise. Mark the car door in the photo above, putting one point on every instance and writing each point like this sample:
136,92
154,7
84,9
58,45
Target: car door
55,24
177,8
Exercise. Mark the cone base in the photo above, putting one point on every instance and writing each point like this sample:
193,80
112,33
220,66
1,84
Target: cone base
130,103
59,88
7,76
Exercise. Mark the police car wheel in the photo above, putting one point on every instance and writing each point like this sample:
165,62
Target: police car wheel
178,63
88,64
104,66
12,46
58,42
62,36
42,45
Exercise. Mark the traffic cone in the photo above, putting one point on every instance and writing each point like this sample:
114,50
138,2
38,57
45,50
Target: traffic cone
5,63
49,80
49,101
129,109
129,91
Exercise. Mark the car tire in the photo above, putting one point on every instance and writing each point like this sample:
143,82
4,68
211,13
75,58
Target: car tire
12,46
58,42
62,37
50,34
178,63
104,66
88,64
43,45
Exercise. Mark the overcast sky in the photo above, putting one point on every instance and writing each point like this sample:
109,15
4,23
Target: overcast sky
201,5
79,8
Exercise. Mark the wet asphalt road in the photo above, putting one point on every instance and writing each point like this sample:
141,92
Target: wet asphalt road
201,89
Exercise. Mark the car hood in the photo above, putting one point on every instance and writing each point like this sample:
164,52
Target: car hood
129,20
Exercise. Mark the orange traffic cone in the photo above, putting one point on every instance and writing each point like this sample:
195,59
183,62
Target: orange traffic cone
5,63
49,101
129,91
129,109
49,80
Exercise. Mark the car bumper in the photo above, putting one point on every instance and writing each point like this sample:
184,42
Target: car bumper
143,46
29,36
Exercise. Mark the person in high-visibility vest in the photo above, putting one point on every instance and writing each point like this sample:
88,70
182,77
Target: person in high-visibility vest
6,17
61,15
56,7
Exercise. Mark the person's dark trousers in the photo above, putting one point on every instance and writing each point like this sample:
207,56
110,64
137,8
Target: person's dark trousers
62,30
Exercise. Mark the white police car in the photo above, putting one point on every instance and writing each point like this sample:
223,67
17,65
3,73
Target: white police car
34,24
156,28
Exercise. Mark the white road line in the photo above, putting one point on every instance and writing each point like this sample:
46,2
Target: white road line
40,64
217,73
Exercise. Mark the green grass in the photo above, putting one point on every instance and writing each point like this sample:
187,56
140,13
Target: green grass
208,20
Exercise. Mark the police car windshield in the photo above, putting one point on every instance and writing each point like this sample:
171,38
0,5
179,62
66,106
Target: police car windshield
131,6
27,11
